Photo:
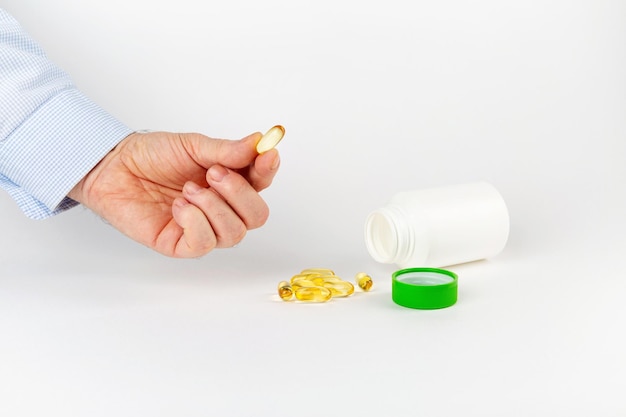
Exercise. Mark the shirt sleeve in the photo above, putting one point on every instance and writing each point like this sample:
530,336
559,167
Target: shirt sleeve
51,135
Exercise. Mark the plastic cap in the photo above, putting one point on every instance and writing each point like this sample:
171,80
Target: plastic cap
424,288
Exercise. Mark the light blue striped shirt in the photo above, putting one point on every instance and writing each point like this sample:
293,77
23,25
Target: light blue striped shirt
51,135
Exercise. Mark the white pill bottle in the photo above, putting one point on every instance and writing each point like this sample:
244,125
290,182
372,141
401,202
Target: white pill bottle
438,227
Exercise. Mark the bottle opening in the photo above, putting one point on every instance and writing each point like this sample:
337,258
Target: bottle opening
424,276
381,238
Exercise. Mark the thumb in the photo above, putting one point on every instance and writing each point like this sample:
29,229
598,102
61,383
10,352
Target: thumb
234,154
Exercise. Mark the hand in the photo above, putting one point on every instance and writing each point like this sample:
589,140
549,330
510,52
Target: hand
181,194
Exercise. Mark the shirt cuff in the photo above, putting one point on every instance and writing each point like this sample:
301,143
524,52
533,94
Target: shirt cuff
54,149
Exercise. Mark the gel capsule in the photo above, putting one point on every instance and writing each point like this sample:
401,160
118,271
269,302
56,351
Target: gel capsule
285,291
319,271
320,280
270,139
313,294
364,281
339,287
298,277
302,283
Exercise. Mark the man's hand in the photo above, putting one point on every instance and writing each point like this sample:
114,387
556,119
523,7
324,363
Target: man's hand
181,194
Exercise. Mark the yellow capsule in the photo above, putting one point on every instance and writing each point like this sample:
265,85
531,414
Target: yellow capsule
302,283
270,139
319,280
320,271
339,287
364,281
313,294
285,291
302,276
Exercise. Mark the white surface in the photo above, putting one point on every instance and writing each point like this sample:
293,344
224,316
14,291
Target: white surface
376,97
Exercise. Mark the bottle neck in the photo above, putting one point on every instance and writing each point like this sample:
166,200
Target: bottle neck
389,236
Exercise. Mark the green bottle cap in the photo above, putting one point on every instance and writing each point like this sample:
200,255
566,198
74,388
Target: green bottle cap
424,288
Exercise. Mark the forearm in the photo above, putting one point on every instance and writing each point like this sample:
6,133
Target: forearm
51,135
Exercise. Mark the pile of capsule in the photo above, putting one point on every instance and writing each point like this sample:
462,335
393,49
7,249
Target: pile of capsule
319,285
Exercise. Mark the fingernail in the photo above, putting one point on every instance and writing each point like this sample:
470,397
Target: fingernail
275,163
217,173
191,187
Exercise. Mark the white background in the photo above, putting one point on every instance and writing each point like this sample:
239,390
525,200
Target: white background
376,97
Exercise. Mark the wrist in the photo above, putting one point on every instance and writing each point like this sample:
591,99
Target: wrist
86,190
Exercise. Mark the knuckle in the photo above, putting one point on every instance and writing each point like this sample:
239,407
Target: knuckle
206,246
238,235
259,218
232,236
